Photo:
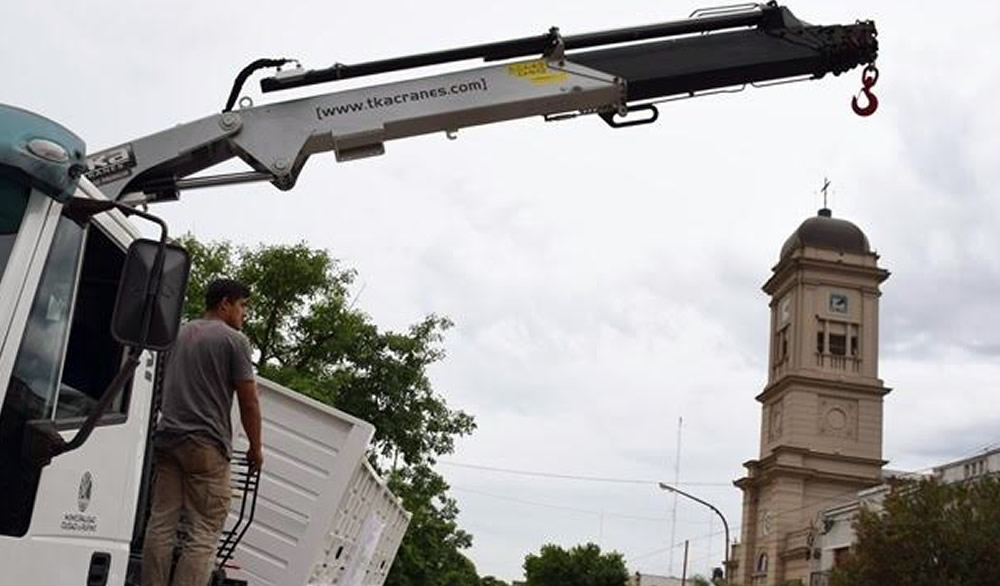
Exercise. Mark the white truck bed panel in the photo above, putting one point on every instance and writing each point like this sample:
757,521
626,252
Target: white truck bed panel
323,516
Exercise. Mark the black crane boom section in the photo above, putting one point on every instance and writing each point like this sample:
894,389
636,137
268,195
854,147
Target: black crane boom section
808,49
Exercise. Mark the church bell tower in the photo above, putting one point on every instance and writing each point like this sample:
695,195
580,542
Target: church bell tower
821,409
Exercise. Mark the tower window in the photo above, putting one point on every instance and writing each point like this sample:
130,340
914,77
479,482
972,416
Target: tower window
781,346
838,344
837,338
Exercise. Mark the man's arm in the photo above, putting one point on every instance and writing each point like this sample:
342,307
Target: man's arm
246,394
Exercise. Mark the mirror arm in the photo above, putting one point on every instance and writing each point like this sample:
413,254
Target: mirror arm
116,385
42,440
156,276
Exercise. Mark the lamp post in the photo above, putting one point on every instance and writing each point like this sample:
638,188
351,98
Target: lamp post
725,525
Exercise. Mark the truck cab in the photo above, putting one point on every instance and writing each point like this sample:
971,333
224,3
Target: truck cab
73,507
72,521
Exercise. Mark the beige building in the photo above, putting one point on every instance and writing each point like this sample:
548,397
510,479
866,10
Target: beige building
821,409
836,531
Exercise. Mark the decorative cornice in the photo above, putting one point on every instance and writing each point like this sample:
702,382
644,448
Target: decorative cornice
789,380
829,456
789,267
768,467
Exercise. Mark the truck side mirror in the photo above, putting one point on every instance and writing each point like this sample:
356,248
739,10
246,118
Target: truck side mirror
166,307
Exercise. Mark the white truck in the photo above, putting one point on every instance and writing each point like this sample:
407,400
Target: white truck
86,305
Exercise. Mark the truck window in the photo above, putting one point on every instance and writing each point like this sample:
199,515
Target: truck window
93,356
66,359
13,201
34,382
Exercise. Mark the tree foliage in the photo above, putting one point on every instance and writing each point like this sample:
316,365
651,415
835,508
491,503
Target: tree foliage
308,335
582,565
431,552
928,533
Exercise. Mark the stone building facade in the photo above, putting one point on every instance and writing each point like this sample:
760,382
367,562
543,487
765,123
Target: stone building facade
821,408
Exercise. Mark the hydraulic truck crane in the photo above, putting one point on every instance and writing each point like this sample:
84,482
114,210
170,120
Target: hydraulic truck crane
88,306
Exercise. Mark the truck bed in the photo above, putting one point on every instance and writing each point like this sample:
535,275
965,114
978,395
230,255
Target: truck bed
323,516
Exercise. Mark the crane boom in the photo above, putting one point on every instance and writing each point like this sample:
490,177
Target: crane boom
275,140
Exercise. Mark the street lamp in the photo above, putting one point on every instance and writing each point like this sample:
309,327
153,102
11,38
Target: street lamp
725,525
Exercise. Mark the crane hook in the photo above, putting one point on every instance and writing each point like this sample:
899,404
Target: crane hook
868,79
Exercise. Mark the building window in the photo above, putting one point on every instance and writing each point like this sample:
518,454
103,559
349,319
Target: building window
840,556
781,345
836,342
762,564
973,469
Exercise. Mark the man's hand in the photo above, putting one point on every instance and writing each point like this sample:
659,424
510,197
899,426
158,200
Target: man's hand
246,394
256,459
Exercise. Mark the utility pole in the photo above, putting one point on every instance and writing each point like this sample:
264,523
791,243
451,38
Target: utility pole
684,570
677,478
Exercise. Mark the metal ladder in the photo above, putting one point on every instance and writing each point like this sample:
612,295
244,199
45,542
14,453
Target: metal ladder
243,483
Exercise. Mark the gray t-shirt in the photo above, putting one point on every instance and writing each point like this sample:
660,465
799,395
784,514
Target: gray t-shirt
202,369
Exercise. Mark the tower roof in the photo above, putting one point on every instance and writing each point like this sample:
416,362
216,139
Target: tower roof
825,231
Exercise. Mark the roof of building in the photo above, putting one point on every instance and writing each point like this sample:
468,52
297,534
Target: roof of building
825,231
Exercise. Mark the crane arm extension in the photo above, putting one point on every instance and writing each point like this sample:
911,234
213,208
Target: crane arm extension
276,139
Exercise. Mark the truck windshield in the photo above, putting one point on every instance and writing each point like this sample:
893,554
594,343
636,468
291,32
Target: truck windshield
13,201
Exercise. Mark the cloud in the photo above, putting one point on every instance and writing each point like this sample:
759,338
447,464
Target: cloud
603,283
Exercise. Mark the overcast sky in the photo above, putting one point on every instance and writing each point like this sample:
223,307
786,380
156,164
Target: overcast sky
603,283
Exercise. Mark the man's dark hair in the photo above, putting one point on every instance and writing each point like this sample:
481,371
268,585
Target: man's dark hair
220,289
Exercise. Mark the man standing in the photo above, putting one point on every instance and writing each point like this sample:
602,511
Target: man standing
210,361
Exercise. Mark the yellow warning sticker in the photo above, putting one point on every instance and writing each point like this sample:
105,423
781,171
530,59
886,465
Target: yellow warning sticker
536,72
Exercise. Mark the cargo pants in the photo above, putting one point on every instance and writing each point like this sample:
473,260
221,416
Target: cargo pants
193,477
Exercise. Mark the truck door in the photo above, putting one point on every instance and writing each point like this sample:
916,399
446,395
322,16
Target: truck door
72,521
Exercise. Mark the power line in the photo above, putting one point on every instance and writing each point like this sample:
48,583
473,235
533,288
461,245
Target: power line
537,474
588,512
737,529
674,546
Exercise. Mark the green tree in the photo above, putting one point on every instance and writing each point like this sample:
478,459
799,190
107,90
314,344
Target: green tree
582,565
928,533
491,581
430,553
308,335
